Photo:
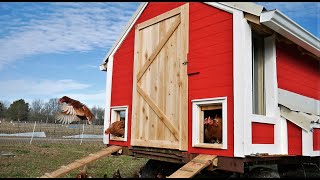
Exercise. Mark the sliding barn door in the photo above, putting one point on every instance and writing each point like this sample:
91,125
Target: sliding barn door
160,99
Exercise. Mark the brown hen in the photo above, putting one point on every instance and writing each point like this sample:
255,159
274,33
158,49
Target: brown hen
116,128
213,130
72,110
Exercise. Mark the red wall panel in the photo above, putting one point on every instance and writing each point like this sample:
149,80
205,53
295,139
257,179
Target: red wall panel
296,72
210,54
294,139
316,139
262,133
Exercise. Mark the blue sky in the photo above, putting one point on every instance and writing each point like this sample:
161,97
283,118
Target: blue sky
51,49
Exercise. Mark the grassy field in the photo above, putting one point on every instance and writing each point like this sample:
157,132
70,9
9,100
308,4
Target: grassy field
31,161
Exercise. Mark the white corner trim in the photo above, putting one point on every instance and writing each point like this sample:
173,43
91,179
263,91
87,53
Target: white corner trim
242,87
283,25
283,134
270,78
196,103
126,30
113,116
108,100
307,142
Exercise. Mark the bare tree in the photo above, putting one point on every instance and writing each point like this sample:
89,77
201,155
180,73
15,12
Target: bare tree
37,110
50,109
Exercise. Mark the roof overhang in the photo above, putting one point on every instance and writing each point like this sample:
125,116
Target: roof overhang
283,25
275,20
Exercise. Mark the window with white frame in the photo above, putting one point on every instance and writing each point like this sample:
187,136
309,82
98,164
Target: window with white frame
258,75
209,123
119,113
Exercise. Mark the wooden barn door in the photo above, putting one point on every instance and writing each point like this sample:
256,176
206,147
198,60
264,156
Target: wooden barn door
160,99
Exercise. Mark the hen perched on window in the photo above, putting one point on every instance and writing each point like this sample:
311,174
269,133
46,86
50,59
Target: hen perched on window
72,110
116,128
213,130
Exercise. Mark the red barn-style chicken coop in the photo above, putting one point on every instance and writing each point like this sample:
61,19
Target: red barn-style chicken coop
177,65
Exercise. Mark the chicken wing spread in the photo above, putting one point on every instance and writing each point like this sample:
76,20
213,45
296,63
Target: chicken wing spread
72,110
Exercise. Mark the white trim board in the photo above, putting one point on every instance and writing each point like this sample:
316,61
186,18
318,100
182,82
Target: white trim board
293,101
113,115
108,100
196,103
307,142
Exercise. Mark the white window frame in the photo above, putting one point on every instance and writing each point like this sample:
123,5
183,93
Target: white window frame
196,109
114,111
307,142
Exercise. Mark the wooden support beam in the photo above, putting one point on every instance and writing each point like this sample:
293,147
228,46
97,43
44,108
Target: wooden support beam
81,162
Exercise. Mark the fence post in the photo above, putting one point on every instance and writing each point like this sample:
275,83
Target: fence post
33,131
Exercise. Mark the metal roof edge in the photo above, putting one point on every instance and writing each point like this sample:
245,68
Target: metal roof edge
283,25
247,7
124,32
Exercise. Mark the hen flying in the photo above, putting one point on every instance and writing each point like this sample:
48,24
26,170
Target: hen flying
72,110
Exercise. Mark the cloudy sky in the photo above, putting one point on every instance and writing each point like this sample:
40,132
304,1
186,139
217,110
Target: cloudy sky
48,50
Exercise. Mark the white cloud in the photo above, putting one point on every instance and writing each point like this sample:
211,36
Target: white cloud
39,87
69,27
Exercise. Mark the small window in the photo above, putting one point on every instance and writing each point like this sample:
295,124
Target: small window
209,123
119,114
258,73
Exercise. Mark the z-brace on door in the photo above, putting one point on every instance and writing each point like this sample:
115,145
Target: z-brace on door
160,83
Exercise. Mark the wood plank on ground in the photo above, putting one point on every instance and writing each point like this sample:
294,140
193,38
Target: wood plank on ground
194,166
81,162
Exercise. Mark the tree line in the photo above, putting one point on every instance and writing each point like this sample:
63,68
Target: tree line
40,111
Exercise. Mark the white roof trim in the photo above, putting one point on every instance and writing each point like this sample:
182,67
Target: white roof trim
248,7
283,25
124,32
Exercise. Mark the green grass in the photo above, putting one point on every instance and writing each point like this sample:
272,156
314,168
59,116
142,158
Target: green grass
34,160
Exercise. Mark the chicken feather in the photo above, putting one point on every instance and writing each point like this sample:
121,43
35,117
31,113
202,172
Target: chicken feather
72,110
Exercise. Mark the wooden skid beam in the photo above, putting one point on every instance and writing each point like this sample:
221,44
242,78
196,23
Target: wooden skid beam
81,162
194,166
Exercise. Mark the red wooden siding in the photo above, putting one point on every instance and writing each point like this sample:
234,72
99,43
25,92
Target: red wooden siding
210,54
296,72
122,78
262,133
294,139
316,139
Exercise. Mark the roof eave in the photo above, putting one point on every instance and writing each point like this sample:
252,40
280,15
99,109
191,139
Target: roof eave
283,25
123,34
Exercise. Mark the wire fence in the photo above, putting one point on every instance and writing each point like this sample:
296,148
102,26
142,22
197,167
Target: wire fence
30,132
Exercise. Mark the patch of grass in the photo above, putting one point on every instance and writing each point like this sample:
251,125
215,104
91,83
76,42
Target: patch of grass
34,160
22,151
